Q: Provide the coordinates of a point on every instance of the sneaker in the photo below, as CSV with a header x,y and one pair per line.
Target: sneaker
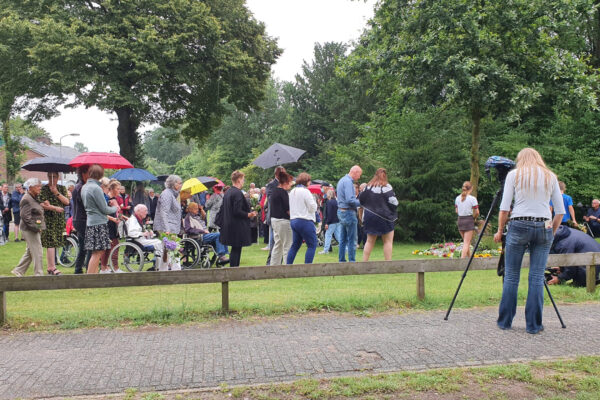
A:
x,y
265,248
105,271
323,252
16,273
119,271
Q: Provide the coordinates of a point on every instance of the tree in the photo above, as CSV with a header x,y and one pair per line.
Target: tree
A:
x,y
167,62
490,58
80,147
166,146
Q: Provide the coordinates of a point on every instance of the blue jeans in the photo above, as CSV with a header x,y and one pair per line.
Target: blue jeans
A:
x,y
347,236
213,240
333,229
521,236
302,230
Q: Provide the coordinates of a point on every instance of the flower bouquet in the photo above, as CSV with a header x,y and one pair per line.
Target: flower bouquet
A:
x,y
171,253
254,201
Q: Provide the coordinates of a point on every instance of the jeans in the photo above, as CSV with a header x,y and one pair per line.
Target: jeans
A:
x,y
523,235
347,236
214,240
332,229
303,230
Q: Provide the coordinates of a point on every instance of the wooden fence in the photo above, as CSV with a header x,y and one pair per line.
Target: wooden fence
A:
x,y
226,275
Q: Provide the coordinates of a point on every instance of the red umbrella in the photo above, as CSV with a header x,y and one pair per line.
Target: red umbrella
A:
x,y
106,160
314,188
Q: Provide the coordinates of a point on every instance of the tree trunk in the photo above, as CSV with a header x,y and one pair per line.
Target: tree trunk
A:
x,y
128,136
475,141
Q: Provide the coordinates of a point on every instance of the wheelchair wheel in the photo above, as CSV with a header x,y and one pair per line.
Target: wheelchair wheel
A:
x,y
130,257
190,253
208,256
68,253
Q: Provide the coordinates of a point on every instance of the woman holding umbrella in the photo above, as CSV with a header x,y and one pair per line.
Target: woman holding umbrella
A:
x,y
54,198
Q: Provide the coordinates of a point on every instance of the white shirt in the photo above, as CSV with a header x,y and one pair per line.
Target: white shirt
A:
x,y
302,204
465,208
533,202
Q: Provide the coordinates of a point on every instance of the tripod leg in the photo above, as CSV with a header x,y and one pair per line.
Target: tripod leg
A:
x,y
487,220
554,304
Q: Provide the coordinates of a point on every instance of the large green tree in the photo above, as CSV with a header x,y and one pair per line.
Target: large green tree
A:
x,y
155,61
489,58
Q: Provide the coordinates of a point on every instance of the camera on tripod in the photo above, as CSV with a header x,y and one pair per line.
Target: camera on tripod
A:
x,y
502,165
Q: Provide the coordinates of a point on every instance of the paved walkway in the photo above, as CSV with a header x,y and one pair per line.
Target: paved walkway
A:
x,y
101,361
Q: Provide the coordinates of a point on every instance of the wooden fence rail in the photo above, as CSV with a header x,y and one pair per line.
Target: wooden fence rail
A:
x,y
226,275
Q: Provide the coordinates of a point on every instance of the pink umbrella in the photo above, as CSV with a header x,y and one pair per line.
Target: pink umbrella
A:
x,y
106,160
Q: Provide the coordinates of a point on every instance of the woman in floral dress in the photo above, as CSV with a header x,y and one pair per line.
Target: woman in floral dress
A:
x,y
53,198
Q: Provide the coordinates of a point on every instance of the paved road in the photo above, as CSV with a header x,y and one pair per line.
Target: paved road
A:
x,y
101,361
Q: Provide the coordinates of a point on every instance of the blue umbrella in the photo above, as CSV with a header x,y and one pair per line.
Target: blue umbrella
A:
x,y
134,174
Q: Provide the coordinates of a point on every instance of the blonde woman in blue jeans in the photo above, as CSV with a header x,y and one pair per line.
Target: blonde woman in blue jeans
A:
x,y
532,185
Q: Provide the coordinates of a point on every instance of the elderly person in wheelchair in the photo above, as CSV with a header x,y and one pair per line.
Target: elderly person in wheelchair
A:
x,y
195,228
145,238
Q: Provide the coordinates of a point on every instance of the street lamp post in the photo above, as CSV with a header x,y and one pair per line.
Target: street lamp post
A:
x,y
61,138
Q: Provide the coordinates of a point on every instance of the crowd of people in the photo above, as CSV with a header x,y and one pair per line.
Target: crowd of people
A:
x,y
285,212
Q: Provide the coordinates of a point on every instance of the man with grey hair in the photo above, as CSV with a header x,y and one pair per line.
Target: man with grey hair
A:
x,y
593,217
168,209
347,206
135,230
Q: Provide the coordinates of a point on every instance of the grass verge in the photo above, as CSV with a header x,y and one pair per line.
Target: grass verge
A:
x,y
70,309
564,379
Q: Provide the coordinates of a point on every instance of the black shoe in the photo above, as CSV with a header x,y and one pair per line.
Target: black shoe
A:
x,y
223,260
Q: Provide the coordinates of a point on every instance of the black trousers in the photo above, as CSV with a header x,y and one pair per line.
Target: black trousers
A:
x,y
235,256
83,256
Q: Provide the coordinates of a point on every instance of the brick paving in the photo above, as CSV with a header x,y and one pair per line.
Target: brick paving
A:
x,y
100,361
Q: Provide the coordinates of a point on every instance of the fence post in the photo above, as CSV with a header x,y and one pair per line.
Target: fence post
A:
x,y
2,308
421,285
225,296
590,278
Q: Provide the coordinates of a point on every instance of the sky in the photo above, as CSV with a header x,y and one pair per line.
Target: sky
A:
x,y
296,24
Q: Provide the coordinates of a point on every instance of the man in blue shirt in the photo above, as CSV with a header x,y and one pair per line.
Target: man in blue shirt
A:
x,y
17,195
568,202
347,205
593,217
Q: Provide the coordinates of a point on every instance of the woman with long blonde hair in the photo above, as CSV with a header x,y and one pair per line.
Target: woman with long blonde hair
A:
x,y
467,208
532,185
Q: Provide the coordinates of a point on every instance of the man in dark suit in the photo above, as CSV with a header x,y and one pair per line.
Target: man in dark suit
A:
x,y
5,206
153,200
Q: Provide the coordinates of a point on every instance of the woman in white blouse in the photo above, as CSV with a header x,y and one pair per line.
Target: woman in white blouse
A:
x,y
532,185
302,219
468,210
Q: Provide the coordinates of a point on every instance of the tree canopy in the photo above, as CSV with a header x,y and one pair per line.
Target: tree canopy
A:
x,y
168,62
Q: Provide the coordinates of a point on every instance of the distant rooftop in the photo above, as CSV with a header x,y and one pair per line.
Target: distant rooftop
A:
x,y
49,150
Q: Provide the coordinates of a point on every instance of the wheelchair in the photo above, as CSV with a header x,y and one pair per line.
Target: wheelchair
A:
x,y
68,253
133,256
197,254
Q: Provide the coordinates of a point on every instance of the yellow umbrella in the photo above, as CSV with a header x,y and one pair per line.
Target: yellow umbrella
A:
x,y
193,186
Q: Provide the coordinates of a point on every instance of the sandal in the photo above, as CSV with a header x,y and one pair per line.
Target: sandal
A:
x,y
54,271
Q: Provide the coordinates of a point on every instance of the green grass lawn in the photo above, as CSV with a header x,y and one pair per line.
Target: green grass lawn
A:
x,y
68,309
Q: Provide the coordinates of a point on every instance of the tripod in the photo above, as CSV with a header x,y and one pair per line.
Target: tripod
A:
x,y
500,261
485,224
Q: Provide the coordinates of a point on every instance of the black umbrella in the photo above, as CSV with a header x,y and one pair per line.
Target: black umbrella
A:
x,y
321,182
278,154
48,164
209,181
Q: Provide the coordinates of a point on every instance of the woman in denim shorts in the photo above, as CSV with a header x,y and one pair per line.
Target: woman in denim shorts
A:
x,y
532,185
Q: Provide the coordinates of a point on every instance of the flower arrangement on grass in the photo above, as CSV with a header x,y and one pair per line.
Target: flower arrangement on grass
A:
x,y
453,250
172,253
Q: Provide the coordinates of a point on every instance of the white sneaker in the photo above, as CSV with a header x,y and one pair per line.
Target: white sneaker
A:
x,y
119,271
105,271
323,252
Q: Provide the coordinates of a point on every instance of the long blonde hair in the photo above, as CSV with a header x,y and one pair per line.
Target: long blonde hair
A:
x,y
528,162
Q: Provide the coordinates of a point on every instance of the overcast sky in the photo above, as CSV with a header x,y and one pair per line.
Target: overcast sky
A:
x,y
297,25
